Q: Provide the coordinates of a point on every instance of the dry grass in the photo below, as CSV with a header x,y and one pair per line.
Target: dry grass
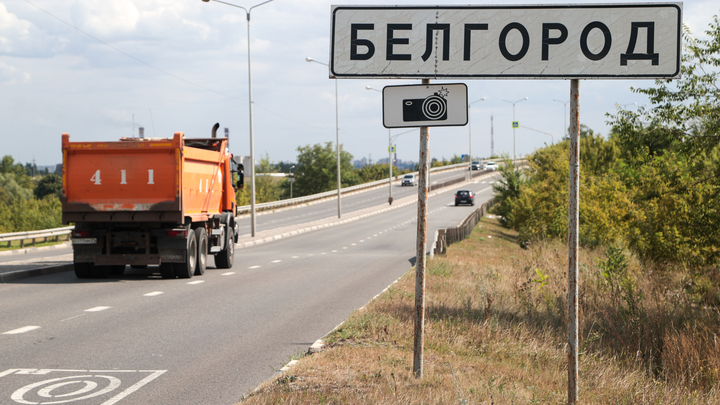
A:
x,y
495,334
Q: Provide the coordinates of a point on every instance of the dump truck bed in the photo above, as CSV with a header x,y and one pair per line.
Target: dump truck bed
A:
x,y
144,180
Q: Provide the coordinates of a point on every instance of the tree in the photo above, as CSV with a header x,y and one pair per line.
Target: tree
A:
x,y
48,184
316,170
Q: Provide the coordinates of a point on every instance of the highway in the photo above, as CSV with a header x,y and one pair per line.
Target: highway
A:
x,y
139,339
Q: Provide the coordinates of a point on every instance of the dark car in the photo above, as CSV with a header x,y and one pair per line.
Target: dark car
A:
x,y
464,197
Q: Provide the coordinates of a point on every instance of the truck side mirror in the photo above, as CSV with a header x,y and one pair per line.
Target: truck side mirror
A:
x,y
241,179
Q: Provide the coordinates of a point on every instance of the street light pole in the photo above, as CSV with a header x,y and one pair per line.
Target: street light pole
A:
x,y
565,103
470,137
513,104
337,137
250,101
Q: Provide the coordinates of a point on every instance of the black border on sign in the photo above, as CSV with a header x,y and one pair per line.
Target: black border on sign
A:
x,y
425,85
333,74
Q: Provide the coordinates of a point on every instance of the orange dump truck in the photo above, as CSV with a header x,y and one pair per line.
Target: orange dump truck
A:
x,y
138,202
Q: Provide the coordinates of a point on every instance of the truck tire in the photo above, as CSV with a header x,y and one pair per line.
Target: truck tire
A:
x,y
224,258
101,271
118,270
83,270
187,269
167,270
202,250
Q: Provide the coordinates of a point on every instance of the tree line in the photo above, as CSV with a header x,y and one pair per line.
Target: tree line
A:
x,y
28,203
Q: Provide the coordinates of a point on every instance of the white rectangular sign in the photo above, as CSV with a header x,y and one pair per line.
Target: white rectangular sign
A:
x,y
578,41
425,105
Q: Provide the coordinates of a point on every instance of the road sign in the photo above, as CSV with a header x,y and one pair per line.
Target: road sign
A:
x,y
516,124
291,179
425,105
391,149
579,41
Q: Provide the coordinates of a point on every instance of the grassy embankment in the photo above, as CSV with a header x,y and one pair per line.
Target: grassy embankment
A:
x,y
496,334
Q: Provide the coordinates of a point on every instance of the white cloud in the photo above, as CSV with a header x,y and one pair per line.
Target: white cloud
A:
x,y
11,75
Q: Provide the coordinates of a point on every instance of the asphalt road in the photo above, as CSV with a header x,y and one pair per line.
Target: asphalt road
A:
x,y
139,339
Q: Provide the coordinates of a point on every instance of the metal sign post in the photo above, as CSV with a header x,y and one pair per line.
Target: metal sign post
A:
x,y
420,259
573,225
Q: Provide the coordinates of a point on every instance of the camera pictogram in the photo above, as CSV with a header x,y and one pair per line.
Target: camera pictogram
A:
x,y
430,108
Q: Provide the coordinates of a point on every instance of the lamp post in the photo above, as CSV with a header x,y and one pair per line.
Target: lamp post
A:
x,y
390,162
337,135
292,178
552,138
565,103
250,102
513,104
470,136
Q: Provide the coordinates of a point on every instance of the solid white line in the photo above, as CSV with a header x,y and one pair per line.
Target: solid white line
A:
x,y
21,330
152,294
228,273
197,282
97,309
155,374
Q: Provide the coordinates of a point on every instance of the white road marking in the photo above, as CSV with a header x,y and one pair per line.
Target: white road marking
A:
x,y
228,273
323,253
97,309
344,247
197,282
152,294
72,317
353,244
334,251
295,257
253,267
21,330
276,261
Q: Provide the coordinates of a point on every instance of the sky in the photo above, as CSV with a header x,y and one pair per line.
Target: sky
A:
x,y
99,69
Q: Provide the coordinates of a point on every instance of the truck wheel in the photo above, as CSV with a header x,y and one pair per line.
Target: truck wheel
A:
x,y
101,271
224,259
167,270
187,269
117,270
84,270
202,245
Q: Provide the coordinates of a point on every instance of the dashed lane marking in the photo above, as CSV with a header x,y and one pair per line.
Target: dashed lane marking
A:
x,y
152,294
276,261
254,267
21,330
97,309
230,273
197,282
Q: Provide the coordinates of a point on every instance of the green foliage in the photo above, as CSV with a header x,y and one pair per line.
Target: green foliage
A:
x,y
653,186
377,172
316,169
9,167
49,184
621,285
507,191
11,191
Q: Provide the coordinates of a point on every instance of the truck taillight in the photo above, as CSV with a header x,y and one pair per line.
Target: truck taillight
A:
x,y
80,233
182,233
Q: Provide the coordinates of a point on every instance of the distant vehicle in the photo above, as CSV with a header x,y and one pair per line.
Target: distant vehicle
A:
x,y
409,180
491,166
464,197
476,165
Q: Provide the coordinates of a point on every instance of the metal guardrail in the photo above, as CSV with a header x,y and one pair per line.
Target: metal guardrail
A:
x,y
34,235
314,197
446,237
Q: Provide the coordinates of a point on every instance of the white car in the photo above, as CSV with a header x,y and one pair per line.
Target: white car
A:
x,y
491,166
409,180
